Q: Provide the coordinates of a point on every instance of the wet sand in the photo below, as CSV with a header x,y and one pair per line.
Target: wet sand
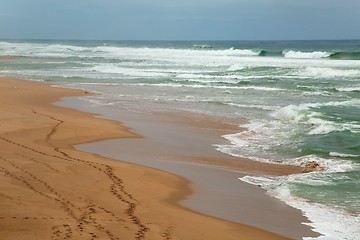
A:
x,y
49,190
181,144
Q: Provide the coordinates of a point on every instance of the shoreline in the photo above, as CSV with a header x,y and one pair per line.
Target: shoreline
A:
x,y
182,145
47,190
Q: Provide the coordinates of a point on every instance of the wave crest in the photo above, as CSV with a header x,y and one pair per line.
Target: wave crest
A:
x,y
306,55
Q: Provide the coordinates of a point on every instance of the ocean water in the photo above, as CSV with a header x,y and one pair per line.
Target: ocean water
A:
x,y
301,100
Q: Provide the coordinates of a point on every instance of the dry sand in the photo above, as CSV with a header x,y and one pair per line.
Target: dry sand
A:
x,y
49,190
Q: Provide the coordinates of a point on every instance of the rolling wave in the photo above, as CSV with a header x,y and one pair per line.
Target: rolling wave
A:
x,y
319,54
69,50
346,55
305,55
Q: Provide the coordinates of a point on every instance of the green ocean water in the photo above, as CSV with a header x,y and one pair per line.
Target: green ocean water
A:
x,y
301,100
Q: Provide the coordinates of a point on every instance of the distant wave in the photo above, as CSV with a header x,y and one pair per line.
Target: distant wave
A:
x,y
316,72
307,55
54,49
248,52
319,54
202,46
258,52
294,53
345,55
268,53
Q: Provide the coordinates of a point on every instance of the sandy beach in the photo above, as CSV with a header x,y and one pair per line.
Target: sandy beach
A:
x,y
182,144
50,190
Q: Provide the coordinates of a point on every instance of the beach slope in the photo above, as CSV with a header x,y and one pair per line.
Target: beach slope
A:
x,y
49,190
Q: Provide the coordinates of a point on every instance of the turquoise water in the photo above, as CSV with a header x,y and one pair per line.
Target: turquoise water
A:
x,y
301,100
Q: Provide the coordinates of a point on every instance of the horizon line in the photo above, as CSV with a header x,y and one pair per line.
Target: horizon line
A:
x,y
173,40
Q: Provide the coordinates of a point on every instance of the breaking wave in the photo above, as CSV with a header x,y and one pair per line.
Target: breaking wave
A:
x,y
307,55
346,55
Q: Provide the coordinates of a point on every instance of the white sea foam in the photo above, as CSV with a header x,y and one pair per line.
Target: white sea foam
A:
x,y
260,139
326,165
321,72
331,223
194,56
291,113
299,54
255,142
252,106
247,52
307,114
343,155
347,103
227,59
236,67
349,89
202,46
258,88
40,50
321,126
125,71
200,77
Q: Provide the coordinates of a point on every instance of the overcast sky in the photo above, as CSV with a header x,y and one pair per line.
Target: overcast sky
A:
x,y
180,19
